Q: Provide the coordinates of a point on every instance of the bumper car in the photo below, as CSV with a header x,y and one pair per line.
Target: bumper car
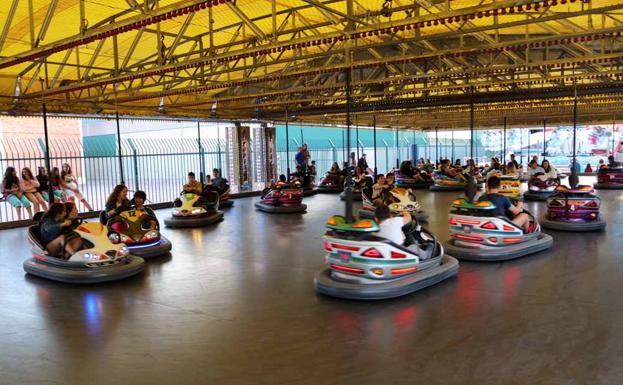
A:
x,y
99,261
192,210
358,187
510,186
573,209
409,182
330,184
363,266
609,178
224,200
402,199
132,229
445,183
540,190
282,200
477,234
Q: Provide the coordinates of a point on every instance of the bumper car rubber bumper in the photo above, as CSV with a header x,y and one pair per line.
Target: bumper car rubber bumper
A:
x,y
226,204
537,196
325,284
329,189
133,266
421,216
608,186
437,187
415,186
542,242
309,192
596,225
206,220
146,252
290,209
356,196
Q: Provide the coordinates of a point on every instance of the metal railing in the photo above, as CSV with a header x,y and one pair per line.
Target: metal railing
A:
x,y
157,166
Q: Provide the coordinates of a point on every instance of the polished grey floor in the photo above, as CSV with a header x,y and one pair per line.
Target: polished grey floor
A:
x,y
235,304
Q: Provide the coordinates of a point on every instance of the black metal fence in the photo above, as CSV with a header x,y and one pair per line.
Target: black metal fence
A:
x,y
157,166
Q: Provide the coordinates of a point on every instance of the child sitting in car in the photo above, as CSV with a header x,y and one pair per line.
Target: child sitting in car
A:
x,y
54,235
138,202
503,205
193,186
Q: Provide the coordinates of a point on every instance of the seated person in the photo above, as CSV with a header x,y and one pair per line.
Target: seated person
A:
x,y
549,171
312,169
392,228
377,189
71,213
534,169
207,186
511,170
282,181
601,164
219,183
56,240
390,181
612,163
588,168
451,172
193,186
138,201
503,205
298,175
117,202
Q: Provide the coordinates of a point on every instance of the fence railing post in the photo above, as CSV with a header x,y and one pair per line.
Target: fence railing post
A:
x,y
386,155
134,163
333,150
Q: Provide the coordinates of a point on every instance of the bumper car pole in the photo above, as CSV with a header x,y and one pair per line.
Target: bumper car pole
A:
x,y
348,190
573,178
287,148
47,153
374,134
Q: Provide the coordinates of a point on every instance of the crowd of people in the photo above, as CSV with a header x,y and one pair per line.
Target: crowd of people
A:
x,y
26,191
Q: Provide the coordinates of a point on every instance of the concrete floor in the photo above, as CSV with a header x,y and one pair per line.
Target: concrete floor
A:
x,y
235,305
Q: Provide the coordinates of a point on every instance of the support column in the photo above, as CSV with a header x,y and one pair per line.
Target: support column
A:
x,y
119,147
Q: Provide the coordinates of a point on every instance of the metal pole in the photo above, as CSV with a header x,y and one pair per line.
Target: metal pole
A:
x,y
544,138
47,154
529,134
573,178
521,146
201,163
357,137
218,140
436,145
504,147
374,131
287,148
343,147
397,143
413,146
452,144
119,147
614,122
348,190
471,126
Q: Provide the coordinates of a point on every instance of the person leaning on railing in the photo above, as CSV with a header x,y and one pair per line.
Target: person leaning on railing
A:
x,y
70,184
13,193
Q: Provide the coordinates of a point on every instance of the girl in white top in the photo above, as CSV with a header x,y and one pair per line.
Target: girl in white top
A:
x,y
70,184
549,171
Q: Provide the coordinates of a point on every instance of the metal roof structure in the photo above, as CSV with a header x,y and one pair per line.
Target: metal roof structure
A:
x,y
410,63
